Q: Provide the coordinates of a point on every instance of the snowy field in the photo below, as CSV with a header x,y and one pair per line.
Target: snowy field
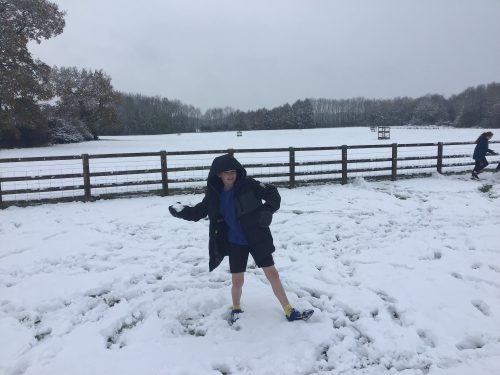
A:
x,y
223,141
250,139
404,278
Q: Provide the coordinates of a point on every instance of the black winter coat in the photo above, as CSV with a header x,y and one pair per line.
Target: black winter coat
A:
x,y
482,149
248,197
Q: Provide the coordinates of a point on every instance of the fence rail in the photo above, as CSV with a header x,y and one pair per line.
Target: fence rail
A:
x,y
165,172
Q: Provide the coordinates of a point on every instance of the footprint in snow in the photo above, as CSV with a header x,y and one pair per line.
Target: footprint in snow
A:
x,y
222,368
494,268
481,306
384,296
115,339
471,342
117,246
427,337
395,315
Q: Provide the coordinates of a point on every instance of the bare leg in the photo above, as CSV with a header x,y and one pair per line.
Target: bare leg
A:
x,y
237,287
274,278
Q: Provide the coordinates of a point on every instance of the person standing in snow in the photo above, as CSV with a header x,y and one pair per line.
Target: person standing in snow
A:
x,y
238,226
480,152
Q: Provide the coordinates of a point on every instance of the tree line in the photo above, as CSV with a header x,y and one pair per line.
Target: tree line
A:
x,y
474,107
41,105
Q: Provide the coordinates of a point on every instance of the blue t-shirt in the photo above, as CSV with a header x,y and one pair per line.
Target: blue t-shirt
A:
x,y
228,211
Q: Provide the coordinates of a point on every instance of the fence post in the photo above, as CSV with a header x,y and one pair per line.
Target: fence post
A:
x,y
86,177
440,158
344,164
164,176
394,169
292,167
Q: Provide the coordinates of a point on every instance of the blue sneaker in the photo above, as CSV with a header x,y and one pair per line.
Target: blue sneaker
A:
x,y
235,315
298,315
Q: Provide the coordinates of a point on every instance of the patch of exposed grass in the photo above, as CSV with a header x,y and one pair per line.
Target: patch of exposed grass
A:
x,y
485,188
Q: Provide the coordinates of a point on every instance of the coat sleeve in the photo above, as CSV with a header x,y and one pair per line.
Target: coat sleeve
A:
x,y
269,193
196,212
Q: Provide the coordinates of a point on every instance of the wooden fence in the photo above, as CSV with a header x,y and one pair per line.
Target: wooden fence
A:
x,y
338,164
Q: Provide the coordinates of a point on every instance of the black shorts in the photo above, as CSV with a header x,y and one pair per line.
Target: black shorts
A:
x,y
238,258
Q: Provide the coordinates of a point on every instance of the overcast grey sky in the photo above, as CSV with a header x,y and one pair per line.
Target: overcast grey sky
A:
x,y
249,54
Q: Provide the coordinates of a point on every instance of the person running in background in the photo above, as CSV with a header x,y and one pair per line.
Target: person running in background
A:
x,y
480,152
238,226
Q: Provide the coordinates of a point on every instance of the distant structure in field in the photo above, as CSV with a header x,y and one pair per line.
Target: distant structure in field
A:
x,y
384,132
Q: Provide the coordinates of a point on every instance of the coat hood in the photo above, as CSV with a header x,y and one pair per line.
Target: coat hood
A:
x,y
224,163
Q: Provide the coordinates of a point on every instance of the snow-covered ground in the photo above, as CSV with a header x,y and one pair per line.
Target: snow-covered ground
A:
x,y
250,139
404,278
223,141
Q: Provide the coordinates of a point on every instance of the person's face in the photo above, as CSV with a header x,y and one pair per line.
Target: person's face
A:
x,y
489,137
228,177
